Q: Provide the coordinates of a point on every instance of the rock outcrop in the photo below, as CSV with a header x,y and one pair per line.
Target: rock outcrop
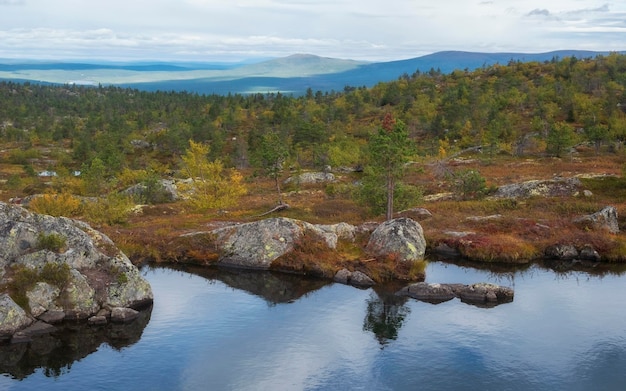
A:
x,y
605,219
58,268
256,245
559,187
402,238
311,177
481,294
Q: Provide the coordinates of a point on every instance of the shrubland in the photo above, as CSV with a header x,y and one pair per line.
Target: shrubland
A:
x,y
469,132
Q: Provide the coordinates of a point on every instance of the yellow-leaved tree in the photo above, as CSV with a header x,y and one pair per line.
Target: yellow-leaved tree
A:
x,y
210,185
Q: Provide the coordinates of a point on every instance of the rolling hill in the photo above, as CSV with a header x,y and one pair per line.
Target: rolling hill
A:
x,y
290,75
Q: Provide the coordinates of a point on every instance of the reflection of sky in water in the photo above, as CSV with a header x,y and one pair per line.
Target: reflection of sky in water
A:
x,y
560,333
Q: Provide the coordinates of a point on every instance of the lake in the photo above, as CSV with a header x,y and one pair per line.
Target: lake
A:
x,y
221,330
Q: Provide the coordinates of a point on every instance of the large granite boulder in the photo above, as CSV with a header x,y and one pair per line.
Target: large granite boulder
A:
x,y
59,265
402,238
256,245
605,219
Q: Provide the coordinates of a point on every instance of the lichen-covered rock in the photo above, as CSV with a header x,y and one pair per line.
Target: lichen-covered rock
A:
x,y
344,231
311,177
402,238
559,187
605,219
80,298
88,272
42,298
256,245
12,317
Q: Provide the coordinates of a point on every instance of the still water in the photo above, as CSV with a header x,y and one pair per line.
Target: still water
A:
x,y
258,331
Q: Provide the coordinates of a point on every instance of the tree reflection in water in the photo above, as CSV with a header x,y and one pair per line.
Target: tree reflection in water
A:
x,y
385,314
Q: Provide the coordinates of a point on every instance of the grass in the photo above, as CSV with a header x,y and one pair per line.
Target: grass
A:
x,y
521,233
22,279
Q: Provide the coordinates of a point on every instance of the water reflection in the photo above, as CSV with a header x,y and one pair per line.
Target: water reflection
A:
x,y
385,315
275,288
56,352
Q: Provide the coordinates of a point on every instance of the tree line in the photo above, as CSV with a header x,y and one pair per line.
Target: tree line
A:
x,y
519,108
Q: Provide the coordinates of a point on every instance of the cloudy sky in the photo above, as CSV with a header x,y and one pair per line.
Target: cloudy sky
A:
x,y
233,30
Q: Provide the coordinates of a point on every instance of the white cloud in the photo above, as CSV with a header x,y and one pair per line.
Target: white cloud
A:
x,y
358,29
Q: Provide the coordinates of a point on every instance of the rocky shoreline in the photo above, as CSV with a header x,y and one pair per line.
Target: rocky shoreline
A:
x,y
58,269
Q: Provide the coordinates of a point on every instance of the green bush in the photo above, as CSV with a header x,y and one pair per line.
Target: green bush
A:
x,y
57,274
470,184
24,279
112,210
52,242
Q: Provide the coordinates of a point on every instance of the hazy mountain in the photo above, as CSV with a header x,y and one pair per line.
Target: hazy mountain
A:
x,y
292,75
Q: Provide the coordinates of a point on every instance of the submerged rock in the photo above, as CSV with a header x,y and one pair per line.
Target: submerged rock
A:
x,y
481,294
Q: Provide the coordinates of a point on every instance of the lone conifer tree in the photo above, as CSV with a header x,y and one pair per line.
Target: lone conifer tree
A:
x,y
390,149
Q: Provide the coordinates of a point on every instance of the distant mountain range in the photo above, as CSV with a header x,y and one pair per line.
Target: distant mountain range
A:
x,y
289,75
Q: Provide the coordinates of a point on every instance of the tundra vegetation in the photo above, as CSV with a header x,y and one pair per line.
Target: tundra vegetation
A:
x,y
438,141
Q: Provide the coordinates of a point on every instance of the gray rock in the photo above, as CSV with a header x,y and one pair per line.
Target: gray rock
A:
x,y
97,320
80,298
52,317
481,294
256,245
357,278
561,251
166,187
588,253
419,213
431,293
558,187
343,231
606,219
12,317
42,298
342,276
311,177
361,279
401,237
484,294
123,315
99,274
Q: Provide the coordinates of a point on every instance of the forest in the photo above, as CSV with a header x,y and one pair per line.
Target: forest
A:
x,y
116,137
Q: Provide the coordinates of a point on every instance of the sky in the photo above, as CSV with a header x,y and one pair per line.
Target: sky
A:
x,y
238,30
